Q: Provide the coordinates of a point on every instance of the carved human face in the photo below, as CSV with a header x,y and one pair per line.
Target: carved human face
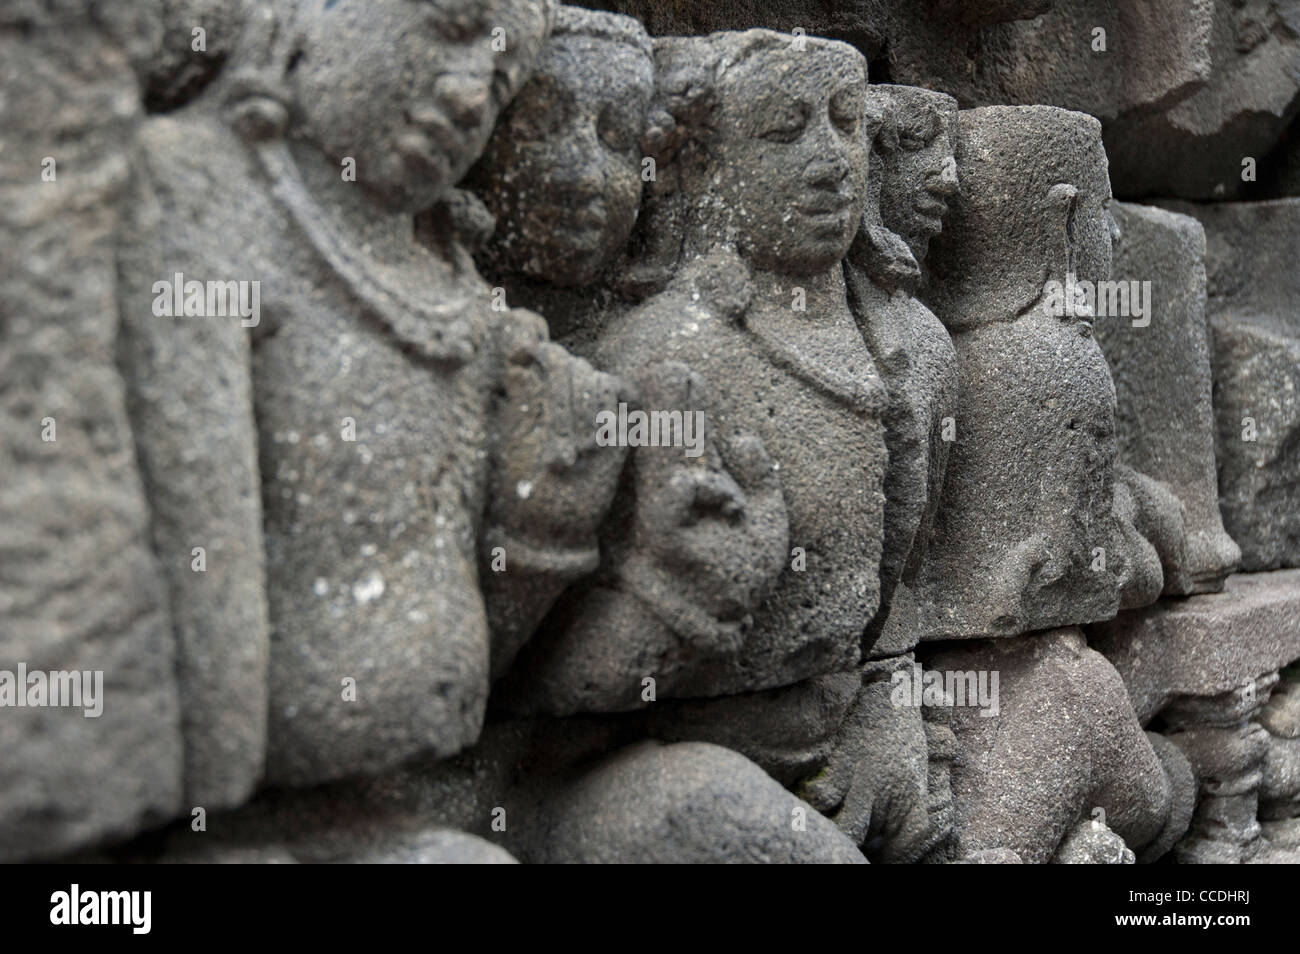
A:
x,y
410,88
562,172
790,160
919,174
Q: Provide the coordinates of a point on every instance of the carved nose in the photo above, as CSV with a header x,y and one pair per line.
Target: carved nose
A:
x,y
465,99
826,173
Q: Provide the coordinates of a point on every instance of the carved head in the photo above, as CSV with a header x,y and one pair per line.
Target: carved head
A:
x,y
915,162
1034,207
766,145
562,172
410,89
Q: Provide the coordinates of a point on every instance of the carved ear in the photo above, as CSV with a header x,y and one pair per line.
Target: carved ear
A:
x,y
1062,203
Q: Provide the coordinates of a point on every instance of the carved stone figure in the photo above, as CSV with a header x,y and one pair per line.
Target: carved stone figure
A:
x,y
475,431
878,780
80,588
913,178
756,296
1011,787
1024,537
407,431
568,149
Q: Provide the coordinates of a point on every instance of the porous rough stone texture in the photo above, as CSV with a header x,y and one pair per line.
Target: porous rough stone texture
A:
x,y
1249,92
372,578
913,178
1012,787
685,803
1059,59
1092,843
1160,364
1253,287
1027,498
190,397
1279,790
752,301
184,60
876,785
80,590
1207,644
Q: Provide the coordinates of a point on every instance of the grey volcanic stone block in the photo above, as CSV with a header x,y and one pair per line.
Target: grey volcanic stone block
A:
x,y
1155,53
1207,644
1160,364
1253,287
1011,784
685,803
1194,148
79,586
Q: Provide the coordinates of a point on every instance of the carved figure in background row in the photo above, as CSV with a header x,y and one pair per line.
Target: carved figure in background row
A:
x,y
1025,536
562,173
756,300
914,177
1035,391
878,784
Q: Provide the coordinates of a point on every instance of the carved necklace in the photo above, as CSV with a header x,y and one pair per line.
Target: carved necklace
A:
x,y
441,333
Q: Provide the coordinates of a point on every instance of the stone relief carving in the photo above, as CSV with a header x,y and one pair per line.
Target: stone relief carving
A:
x,y
1015,548
598,424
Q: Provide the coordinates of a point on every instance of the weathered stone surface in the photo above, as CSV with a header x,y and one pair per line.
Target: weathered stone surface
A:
x,y
1011,786
790,732
876,785
571,140
1027,499
754,302
184,60
1092,843
190,396
913,177
452,605
1207,644
398,417
1226,749
1160,363
79,587
1255,336
1250,92
1152,54
685,803
438,846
